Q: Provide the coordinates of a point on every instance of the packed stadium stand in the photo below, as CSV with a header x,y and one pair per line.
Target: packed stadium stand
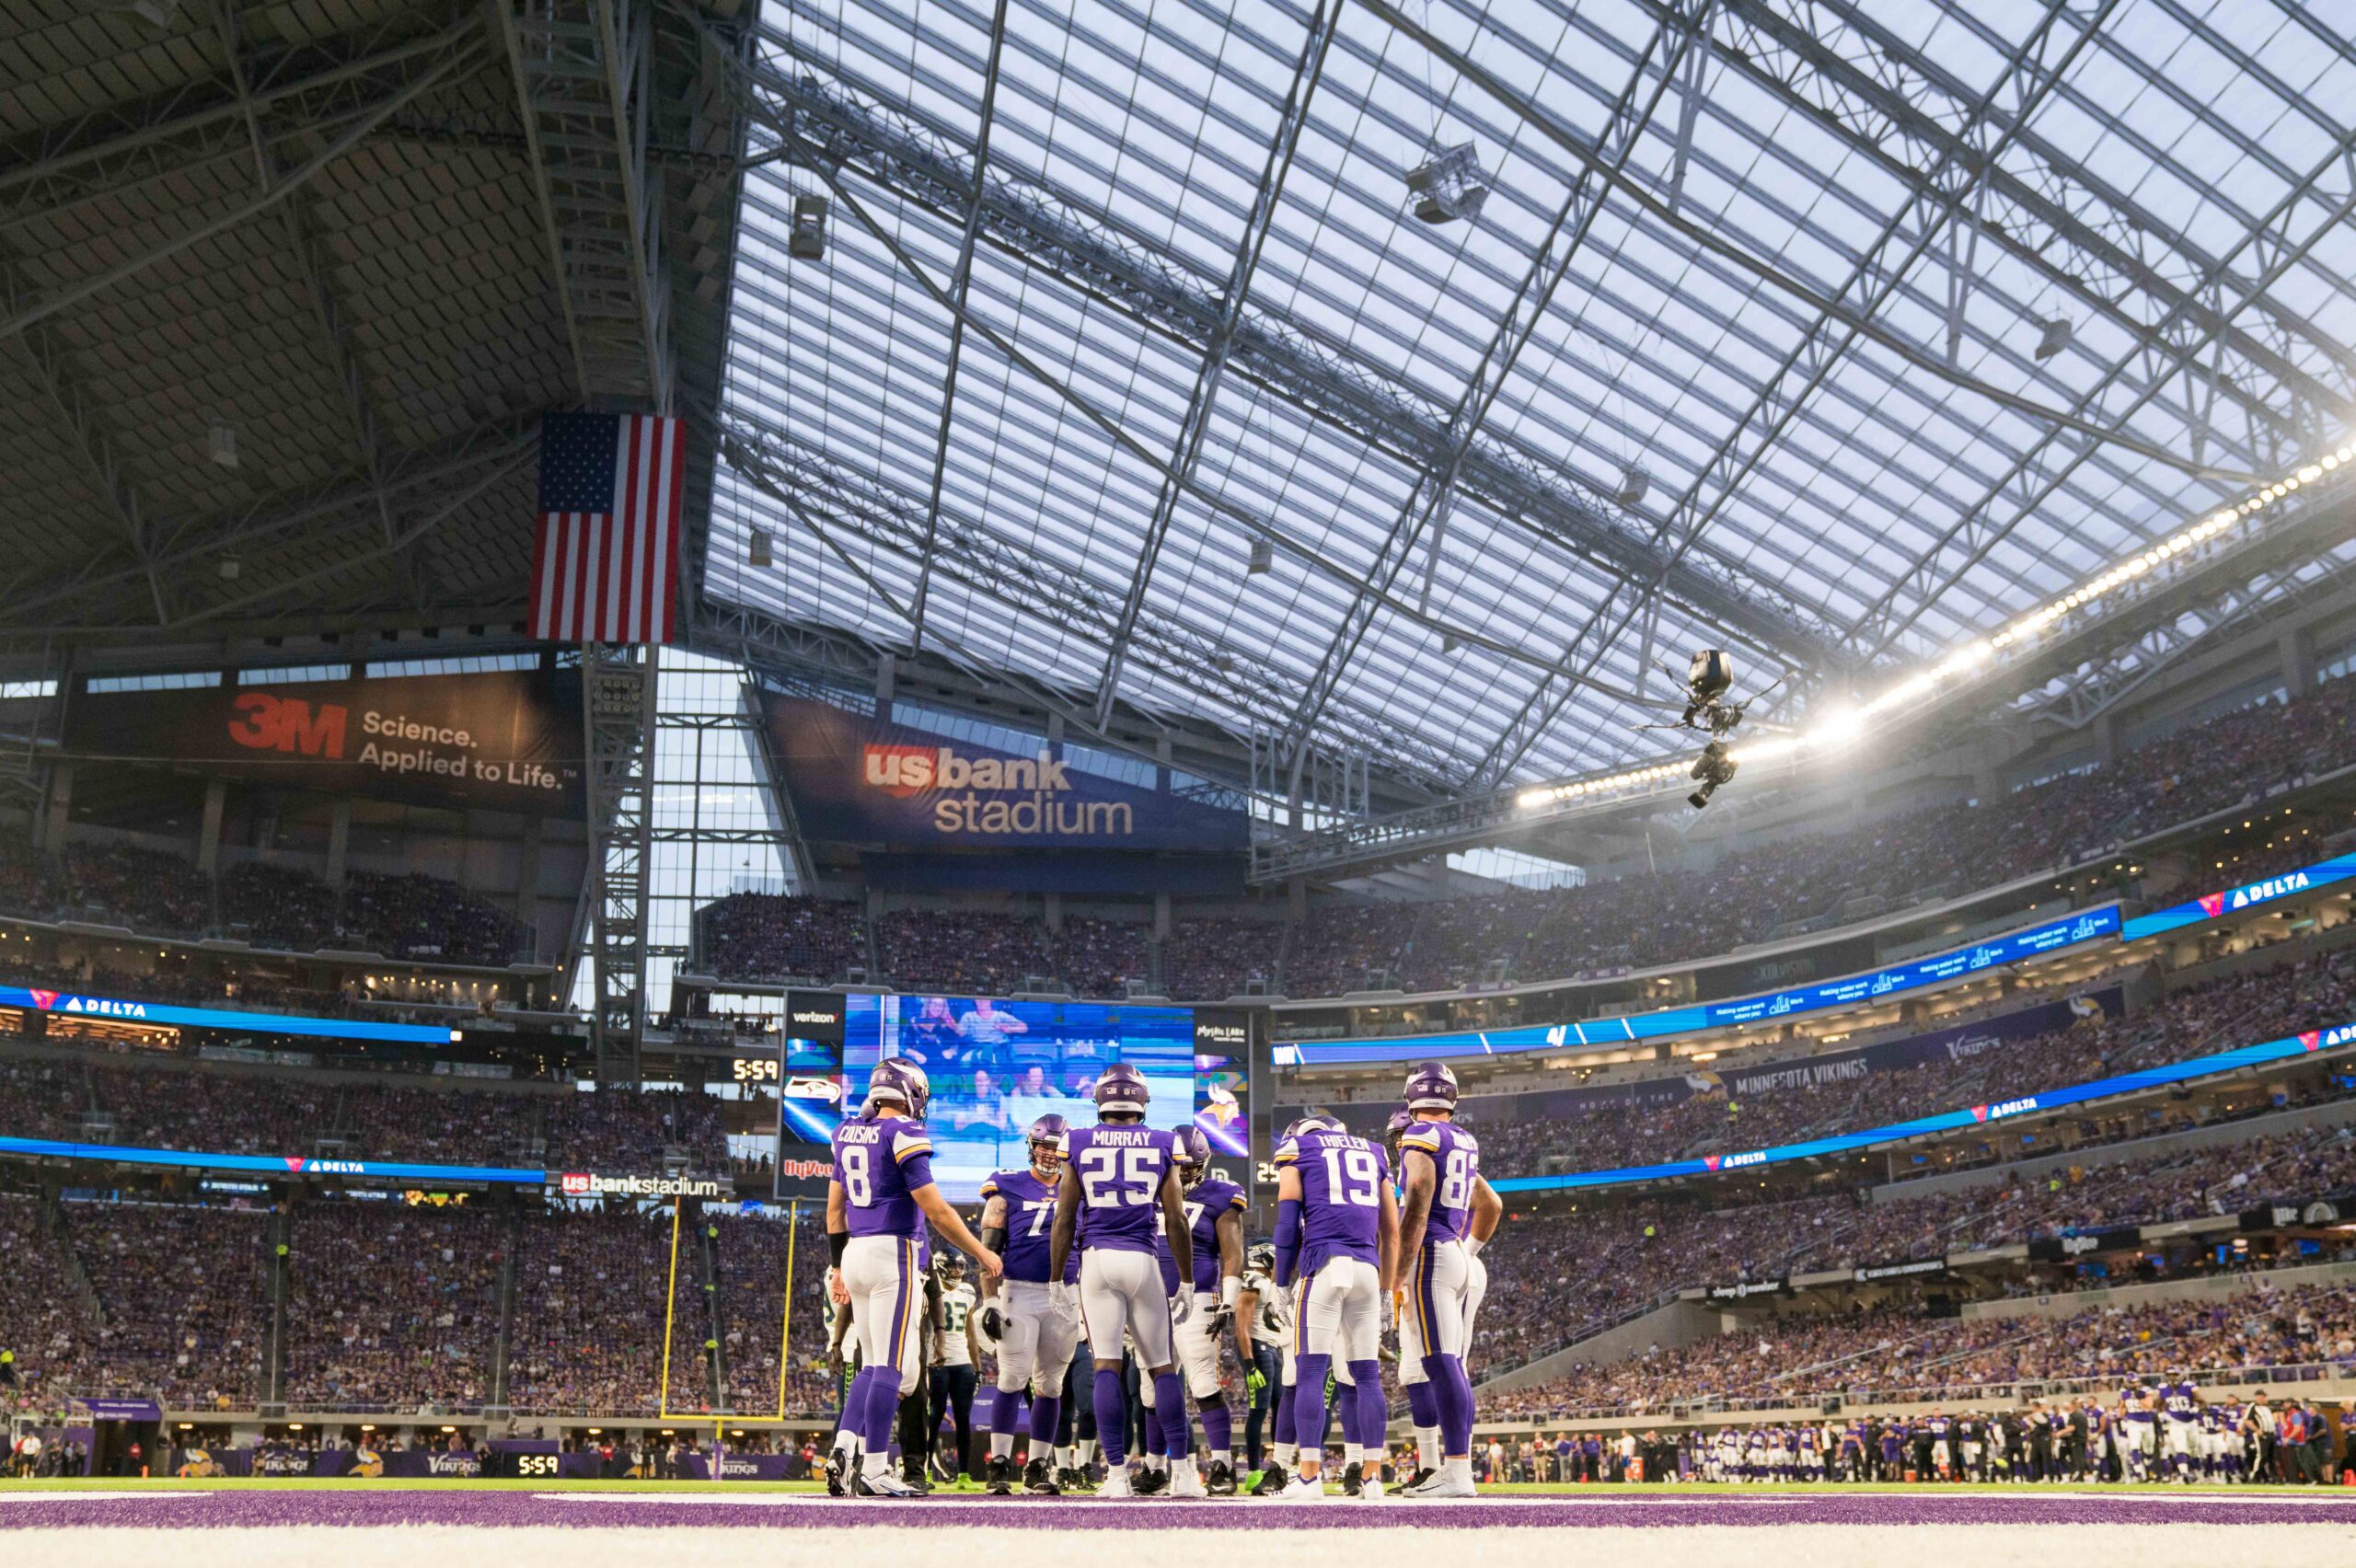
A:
x,y
393,1311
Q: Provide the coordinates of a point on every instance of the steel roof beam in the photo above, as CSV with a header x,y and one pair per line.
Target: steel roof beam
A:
x,y
958,282
1048,233
1290,121
2049,463
1893,104
1878,273
1427,506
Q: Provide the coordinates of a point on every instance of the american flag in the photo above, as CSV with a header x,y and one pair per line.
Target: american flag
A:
x,y
609,528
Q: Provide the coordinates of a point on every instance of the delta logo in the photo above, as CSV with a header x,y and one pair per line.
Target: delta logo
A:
x,y
1711,1160
2009,1108
299,1165
2212,904
993,795
44,1000
1737,1162
2272,887
96,1007
2331,1039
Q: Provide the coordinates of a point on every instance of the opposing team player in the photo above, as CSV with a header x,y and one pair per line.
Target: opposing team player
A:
x,y
877,1201
1448,1210
1215,1216
1115,1175
1337,1232
1034,1334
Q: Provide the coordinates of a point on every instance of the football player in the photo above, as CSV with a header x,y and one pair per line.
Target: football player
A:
x,y
1278,1320
1215,1216
954,1355
1117,1174
1263,1323
879,1196
1448,1210
1034,1336
2180,1412
1337,1233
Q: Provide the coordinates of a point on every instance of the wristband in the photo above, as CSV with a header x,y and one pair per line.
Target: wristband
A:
x,y
1473,1246
1230,1290
835,1241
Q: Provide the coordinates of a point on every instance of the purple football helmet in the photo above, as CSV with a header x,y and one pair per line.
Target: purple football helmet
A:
x,y
1046,1137
1190,1152
1312,1123
1396,1128
1432,1087
897,1077
1122,1089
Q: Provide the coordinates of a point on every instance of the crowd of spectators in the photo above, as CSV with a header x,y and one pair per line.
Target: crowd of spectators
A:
x,y
765,936
170,979
183,1297
971,952
1097,957
396,1309
589,1312
1212,957
159,893
751,1250
2239,1009
1897,1353
44,1318
239,1110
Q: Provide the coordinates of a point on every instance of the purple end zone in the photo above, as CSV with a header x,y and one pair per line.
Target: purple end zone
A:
x,y
769,1511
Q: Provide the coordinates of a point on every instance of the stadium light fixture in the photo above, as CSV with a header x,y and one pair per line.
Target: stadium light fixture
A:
x,y
1449,186
1927,684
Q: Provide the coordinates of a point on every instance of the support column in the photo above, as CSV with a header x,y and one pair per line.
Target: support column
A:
x,y
2298,645
2107,738
61,807
338,842
885,666
1161,917
1055,913
208,836
527,876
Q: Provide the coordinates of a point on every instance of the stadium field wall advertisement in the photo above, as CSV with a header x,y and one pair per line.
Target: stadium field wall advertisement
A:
x,y
504,741
997,1067
67,1004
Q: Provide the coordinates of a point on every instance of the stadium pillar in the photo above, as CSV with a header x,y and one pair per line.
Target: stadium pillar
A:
x,y
1055,913
339,841
1161,917
2107,737
61,807
527,874
2298,645
208,836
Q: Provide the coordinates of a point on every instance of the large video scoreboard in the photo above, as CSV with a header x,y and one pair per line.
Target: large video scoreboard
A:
x,y
995,1066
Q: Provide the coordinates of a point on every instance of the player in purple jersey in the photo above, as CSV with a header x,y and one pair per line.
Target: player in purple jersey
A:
x,y
1337,1233
2180,1419
877,1200
1117,1174
1215,1217
1035,1336
1448,1211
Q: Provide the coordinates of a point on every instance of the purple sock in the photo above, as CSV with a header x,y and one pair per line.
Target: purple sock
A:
x,y
1047,1414
883,1410
1177,1428
1423,1399
1282,1433
1112,1417
854,1415
1374,1413
1309,1405
1003,1406
1455,1386
1219,1425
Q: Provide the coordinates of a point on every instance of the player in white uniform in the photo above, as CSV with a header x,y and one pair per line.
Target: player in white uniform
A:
x,y
1263,1330
953,1378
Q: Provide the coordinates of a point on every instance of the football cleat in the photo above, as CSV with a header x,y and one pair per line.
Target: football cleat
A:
x,y
1418,1479
1221,1481
1145,1483
1371,1492
1304,1489
1272,1481
998,1477
834,1486
1445,1483
1071,1478
1352,1482
1039,1484
884,1485
1116,1483
1186,1481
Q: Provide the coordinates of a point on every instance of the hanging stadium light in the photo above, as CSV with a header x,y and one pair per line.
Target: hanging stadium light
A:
x,y
1449,186
1262,557
757,555
806,241
2054,336
1634,483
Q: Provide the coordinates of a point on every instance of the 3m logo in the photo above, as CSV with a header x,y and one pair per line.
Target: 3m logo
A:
x,y
264,722
575,1184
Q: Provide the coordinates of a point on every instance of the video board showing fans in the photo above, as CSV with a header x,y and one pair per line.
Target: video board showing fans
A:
x,y
995,1066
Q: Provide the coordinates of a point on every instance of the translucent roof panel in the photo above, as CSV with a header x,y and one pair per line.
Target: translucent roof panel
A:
x,y
1840,287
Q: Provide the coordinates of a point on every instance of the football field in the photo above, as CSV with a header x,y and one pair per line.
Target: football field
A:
x,y
365,1523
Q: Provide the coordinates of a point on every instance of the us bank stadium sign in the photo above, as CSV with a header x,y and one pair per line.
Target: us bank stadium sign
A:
x,y
595,1184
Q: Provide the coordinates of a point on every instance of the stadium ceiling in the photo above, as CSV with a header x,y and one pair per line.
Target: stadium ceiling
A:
x,y
1832,331
285,288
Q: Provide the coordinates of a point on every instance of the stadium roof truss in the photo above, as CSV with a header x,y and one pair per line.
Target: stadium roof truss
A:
x,y
1830,332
